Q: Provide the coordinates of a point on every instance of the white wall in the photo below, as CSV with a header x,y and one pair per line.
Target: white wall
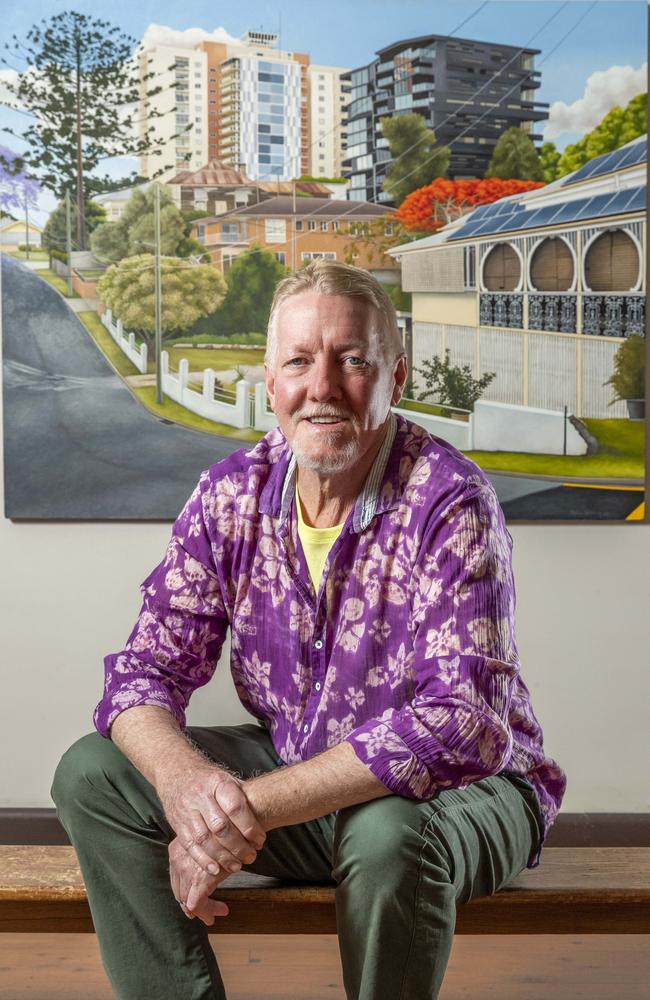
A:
x,y
68,593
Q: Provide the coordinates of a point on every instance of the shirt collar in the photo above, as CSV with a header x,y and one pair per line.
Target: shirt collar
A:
x,y
371,500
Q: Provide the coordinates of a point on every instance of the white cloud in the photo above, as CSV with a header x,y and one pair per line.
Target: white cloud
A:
x,y
160,34
603,91
7,76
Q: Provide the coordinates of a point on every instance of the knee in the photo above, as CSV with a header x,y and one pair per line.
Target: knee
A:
x,y
83,770
384,839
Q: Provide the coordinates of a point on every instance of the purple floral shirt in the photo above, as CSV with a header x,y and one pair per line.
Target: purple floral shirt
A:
x,y
407,650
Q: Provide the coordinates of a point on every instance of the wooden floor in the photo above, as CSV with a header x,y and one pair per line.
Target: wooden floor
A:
x,y
278,967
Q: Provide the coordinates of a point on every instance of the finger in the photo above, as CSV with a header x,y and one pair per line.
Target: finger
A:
x,y
199,843
221,843
232,800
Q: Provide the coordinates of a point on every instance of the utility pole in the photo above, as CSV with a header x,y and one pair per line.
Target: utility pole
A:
x,y
157,295
26,227
68,240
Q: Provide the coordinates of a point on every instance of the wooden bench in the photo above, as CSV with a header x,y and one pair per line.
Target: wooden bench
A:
x,y
575,890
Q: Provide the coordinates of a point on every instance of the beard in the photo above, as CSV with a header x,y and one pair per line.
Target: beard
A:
x,y
343,449
343,458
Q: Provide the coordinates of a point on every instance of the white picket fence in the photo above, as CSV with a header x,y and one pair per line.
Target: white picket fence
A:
x,y
137,355
177,387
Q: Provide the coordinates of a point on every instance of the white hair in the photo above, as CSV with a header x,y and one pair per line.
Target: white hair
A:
x,y
329,277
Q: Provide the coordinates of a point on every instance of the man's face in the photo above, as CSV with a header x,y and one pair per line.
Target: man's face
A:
x,y
331,386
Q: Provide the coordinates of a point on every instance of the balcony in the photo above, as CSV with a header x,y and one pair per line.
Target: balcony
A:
x,y
610,315
552,312
613,315
499,309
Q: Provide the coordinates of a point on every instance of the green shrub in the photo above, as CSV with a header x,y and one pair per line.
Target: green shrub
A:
x,y
628,380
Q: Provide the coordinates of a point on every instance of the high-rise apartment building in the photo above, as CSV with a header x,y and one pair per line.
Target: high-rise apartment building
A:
x,y
328,95
251,106
182,74
468,92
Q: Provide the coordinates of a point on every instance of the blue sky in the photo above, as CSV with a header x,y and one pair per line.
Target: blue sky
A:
x,y
345,33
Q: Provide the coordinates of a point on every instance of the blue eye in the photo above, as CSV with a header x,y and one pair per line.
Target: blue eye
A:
x,y
354,361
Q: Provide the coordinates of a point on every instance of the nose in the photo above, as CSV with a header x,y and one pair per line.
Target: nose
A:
x,y
325,380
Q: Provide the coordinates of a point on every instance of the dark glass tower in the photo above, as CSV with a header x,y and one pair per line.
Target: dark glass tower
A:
x,y
468,92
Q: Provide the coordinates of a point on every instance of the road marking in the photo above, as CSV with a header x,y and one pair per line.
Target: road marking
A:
x,y
638,514
592,486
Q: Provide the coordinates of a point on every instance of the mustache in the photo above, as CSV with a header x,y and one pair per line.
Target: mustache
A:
x,y
322,411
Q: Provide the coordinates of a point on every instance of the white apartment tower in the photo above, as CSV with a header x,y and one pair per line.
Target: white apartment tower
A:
x,y
183,75
251,106
327,100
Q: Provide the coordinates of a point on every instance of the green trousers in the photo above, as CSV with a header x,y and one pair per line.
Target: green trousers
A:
x,y
400,868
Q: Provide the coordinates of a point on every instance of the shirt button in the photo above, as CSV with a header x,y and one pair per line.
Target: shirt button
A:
x,y
317,685
305,728
318,644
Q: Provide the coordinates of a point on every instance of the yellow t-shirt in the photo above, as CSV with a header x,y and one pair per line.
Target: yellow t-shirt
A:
x,y
316,543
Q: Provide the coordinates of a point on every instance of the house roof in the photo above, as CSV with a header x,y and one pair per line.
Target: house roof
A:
x,y
283,205
10,223
213,174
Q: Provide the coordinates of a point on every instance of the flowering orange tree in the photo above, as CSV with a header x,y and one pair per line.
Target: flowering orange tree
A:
x,y
433,206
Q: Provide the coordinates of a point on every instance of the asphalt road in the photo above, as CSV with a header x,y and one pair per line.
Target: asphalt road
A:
x,y
76,442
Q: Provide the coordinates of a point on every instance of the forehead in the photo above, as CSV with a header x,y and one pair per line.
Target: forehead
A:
x,y
312,313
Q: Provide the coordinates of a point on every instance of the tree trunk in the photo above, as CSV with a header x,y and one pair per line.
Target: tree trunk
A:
x,y
81,222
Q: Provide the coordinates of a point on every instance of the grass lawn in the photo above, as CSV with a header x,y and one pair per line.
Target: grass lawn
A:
x,y
53,279
92,274
33,255
621,455
217,360
179,415
106,344
421,407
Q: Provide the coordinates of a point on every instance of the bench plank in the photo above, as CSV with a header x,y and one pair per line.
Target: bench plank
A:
x,y
601,890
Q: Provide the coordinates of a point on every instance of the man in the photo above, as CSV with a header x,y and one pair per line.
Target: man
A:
x,y
363,568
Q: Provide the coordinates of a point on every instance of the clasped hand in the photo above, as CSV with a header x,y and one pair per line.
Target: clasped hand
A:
x,y
216,833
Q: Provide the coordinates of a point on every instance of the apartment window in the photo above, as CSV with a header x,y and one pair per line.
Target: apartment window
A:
x,y
281,257
317,254
388,229
335,227
323,227
275,230
200,231
298,225
312,226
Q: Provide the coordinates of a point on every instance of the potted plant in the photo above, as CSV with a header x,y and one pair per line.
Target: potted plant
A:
x,y
628,380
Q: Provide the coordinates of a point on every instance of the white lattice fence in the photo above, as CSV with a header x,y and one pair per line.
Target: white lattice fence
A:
x,y
597,367
502,351
552,366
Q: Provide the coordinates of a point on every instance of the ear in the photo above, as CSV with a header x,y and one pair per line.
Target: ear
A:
x,y
400,373
269,379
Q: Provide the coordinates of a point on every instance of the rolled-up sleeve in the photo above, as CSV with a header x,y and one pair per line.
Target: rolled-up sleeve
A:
x,y
175,644
464,660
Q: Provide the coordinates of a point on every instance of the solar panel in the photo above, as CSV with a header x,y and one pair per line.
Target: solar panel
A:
x,y
637,202
577,210
626,156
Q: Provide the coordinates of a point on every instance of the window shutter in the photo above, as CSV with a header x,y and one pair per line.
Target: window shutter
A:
x,y
502,270
551,268
612,263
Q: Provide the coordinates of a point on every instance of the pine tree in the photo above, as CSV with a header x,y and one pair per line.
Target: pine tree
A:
x,y
79,84
515,158
417,159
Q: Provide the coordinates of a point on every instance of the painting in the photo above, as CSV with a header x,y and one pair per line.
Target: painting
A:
x,y
162,168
